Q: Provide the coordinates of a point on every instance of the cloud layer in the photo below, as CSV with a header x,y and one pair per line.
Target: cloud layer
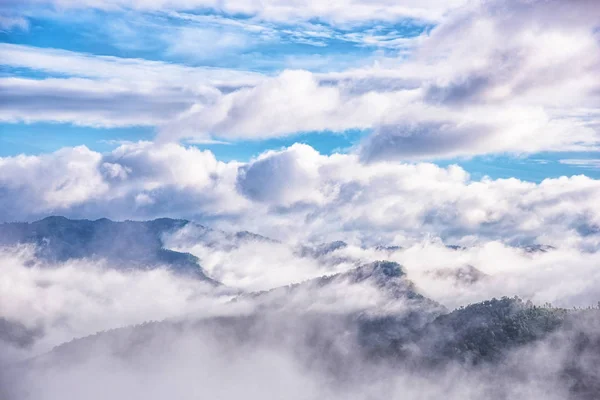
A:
x,y
185,357
490,77
333,197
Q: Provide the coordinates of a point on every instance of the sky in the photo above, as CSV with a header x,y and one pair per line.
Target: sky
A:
x,y
377,121
503,89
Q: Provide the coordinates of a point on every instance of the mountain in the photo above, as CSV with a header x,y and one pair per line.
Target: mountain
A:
x,y
484,331
321,250
499,342
463,275
127,244
192,234
384,285
15,333
421,332
493,339
367,323
141,245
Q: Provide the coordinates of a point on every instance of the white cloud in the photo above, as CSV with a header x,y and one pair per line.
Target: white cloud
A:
x,y
81,297
104,91
489,78
564,277
293,350
251,264
433,132
8,23
94,103
495,83
56,61
583,163
291,102
206,43
345,11
332,197
481,82
417,199
502,77
62,179
171,179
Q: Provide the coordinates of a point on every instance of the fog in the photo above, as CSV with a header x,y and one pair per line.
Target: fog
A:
x,y
80,297
563,276
276,361
298,339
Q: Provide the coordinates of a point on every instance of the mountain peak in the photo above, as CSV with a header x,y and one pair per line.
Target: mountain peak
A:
x,y
125,244
379,270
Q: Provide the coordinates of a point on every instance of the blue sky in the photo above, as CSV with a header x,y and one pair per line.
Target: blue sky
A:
x,y
40,138
251,47
237,41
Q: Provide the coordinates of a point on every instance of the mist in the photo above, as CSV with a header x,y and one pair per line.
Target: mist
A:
x,y
278,356
565,276
275,328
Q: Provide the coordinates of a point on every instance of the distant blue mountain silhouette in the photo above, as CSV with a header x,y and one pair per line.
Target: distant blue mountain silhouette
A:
x,y
125,245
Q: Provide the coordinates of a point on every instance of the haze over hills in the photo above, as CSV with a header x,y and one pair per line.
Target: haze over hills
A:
x,y
493,349
142,244
128,244
348,321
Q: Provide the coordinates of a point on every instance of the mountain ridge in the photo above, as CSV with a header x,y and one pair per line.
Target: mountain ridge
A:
x,y
125,244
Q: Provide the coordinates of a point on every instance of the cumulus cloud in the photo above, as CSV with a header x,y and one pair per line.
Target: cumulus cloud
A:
x,y
294,101
512,70
485,80
489,78
139,176
420,199
333,197
282,178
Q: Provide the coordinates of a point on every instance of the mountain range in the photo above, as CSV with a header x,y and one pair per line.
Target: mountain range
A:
x,y
393,326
